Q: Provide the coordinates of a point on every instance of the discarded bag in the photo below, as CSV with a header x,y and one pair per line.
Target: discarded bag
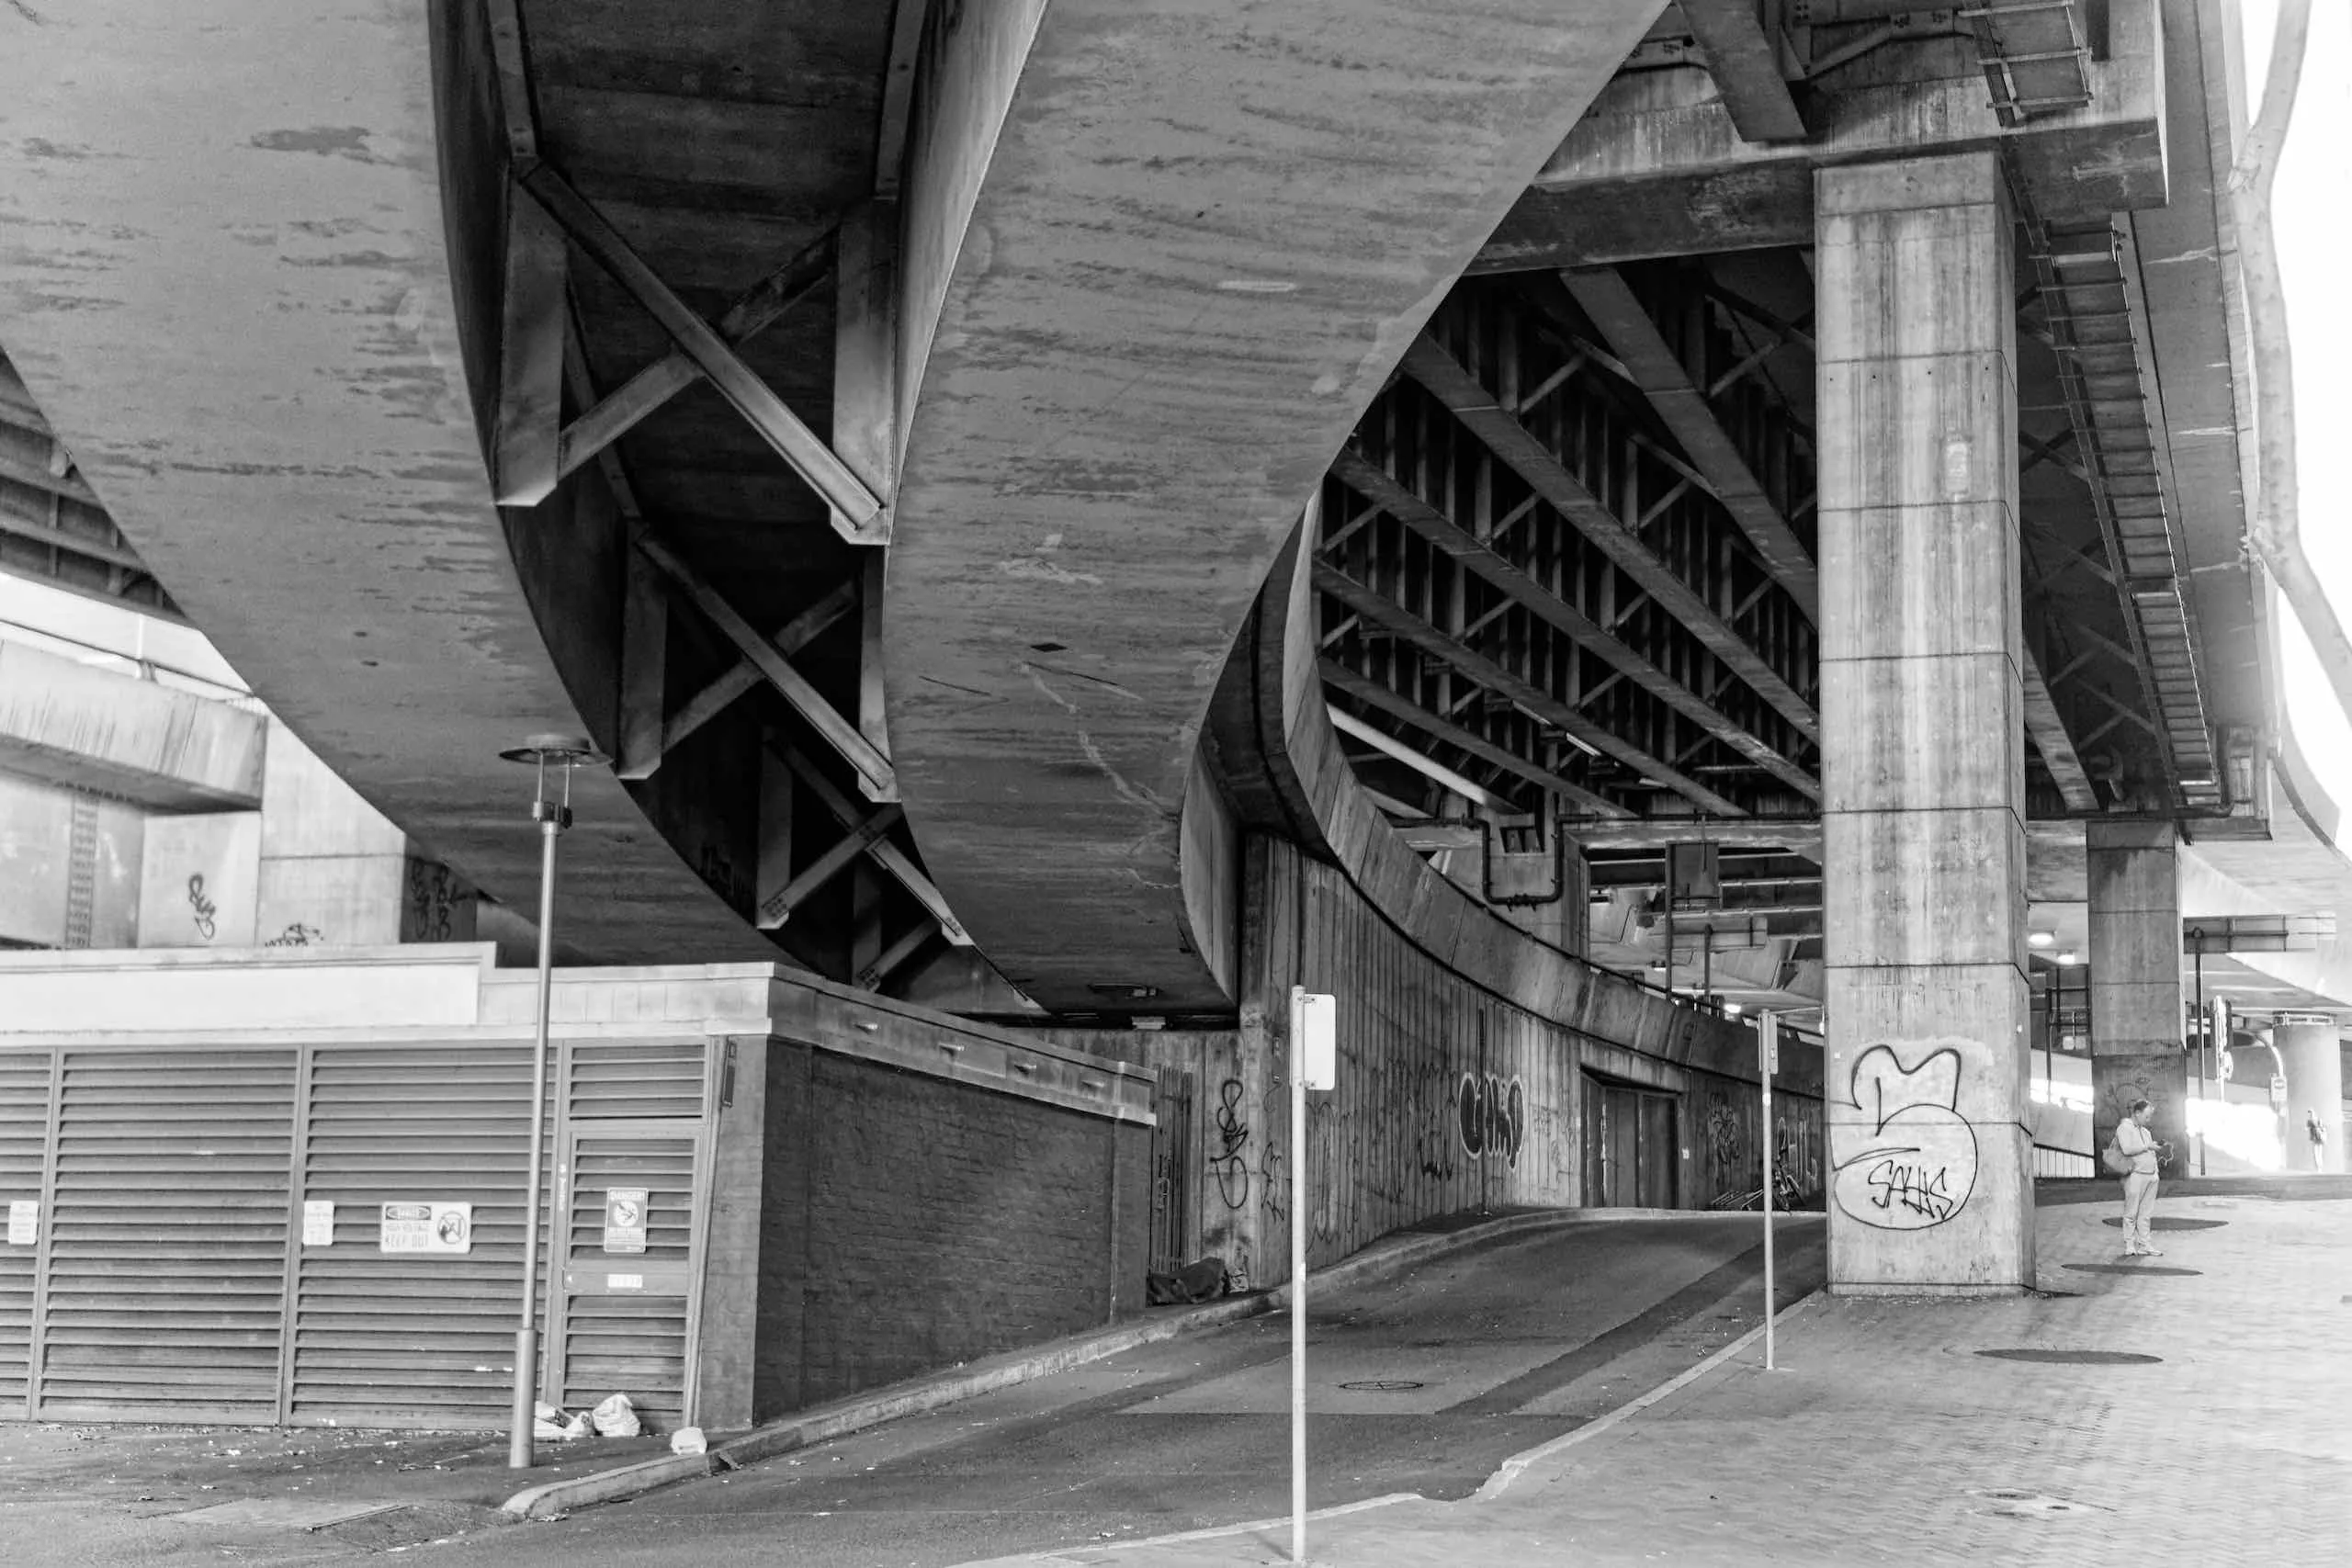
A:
x,y
550,1425
688,1441
1198,1281
615,1417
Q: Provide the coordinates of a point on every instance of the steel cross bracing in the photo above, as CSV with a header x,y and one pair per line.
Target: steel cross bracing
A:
x,y
554,420
1526,572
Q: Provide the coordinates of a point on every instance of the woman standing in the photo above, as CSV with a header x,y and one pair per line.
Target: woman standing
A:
x,y
2135,1143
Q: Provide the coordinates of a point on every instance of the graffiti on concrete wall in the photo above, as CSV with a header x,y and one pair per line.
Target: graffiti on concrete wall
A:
x,y
1796,1153
1434,1122
1908,1161
205,911
1725,1135
1229,1146
1490,1114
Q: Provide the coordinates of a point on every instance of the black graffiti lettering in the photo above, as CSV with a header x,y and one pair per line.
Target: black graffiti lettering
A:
x,y
1914,1186
1229,1161
205,907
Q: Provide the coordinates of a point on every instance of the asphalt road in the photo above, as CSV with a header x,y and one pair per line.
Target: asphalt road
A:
x,y
1425,1382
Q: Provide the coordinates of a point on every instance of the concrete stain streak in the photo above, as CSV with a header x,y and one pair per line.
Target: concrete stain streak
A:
x,y
325,141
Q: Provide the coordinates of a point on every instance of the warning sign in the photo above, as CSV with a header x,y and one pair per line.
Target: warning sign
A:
x,y
24,1222
624,1219
443,1228
318,1223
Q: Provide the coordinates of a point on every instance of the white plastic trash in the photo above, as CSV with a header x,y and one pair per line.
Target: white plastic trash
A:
x,y
615,1417
549,1425
688,1441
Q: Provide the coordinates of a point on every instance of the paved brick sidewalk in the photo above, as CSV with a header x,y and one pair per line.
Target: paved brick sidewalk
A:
x,y
1888,1440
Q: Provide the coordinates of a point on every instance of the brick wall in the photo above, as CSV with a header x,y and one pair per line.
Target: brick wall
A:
x,y
913,1222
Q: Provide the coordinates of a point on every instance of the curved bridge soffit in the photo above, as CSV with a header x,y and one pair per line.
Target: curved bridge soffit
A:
x,y
1157,261
227,273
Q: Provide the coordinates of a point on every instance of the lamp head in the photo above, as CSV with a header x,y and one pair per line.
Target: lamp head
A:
x,y
560,750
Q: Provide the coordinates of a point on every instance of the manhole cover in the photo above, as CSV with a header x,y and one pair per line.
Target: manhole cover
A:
x,y
2072,1358
1381,1385
2167,1223
2130,1269
2036,1505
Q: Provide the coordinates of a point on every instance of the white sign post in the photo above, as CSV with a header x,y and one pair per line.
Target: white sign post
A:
x,y
1315,1060
1768,1049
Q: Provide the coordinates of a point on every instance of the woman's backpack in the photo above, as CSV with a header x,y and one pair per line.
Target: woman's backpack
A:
x,y
2115,1159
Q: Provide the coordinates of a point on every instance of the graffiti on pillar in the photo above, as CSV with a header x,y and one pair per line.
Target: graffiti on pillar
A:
x,y
205,909
297,935
1230,1154
1909,1162
1491,1114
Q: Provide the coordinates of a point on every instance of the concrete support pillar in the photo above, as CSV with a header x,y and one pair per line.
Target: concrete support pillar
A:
x,y
2313,1059
2136,1047
1923,753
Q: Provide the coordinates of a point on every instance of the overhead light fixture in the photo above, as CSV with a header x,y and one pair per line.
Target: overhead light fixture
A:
x,y
2069,956
1733,1009
2040,939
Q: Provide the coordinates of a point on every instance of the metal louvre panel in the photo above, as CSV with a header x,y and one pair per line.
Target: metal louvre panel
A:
x,y
167,1235
24,1144
635,1078
630,1339
403,1339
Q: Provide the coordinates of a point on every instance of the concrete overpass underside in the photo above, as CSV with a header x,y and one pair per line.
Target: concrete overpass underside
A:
x,y
975,466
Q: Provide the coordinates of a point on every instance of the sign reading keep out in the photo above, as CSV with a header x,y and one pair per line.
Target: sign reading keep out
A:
x,y
447,1229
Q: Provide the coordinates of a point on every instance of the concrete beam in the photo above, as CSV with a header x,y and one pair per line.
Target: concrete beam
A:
x,y
1659,168
112,733
1658,371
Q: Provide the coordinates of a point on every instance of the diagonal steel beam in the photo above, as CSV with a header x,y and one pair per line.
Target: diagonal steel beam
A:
x,y
1379,608
806,700
893,958
742,676
861,518
1444,378
885,854
2049,737
861,837
753,312
1397,705
1745,64
1658,371
1376,484
1428,767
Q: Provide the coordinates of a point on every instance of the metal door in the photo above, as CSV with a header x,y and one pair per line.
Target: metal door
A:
x,y
1171,1186
633,1196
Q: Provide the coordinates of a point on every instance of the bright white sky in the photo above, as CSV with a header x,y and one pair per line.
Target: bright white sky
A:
x,y
2312,217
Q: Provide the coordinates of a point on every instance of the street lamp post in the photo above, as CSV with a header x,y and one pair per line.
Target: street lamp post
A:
x,y
562,752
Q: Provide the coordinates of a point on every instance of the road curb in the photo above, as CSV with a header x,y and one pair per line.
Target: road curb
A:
x,y
826,1421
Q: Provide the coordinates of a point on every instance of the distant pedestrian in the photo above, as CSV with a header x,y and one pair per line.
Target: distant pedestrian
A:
x,y
2133,1140
2318,1135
